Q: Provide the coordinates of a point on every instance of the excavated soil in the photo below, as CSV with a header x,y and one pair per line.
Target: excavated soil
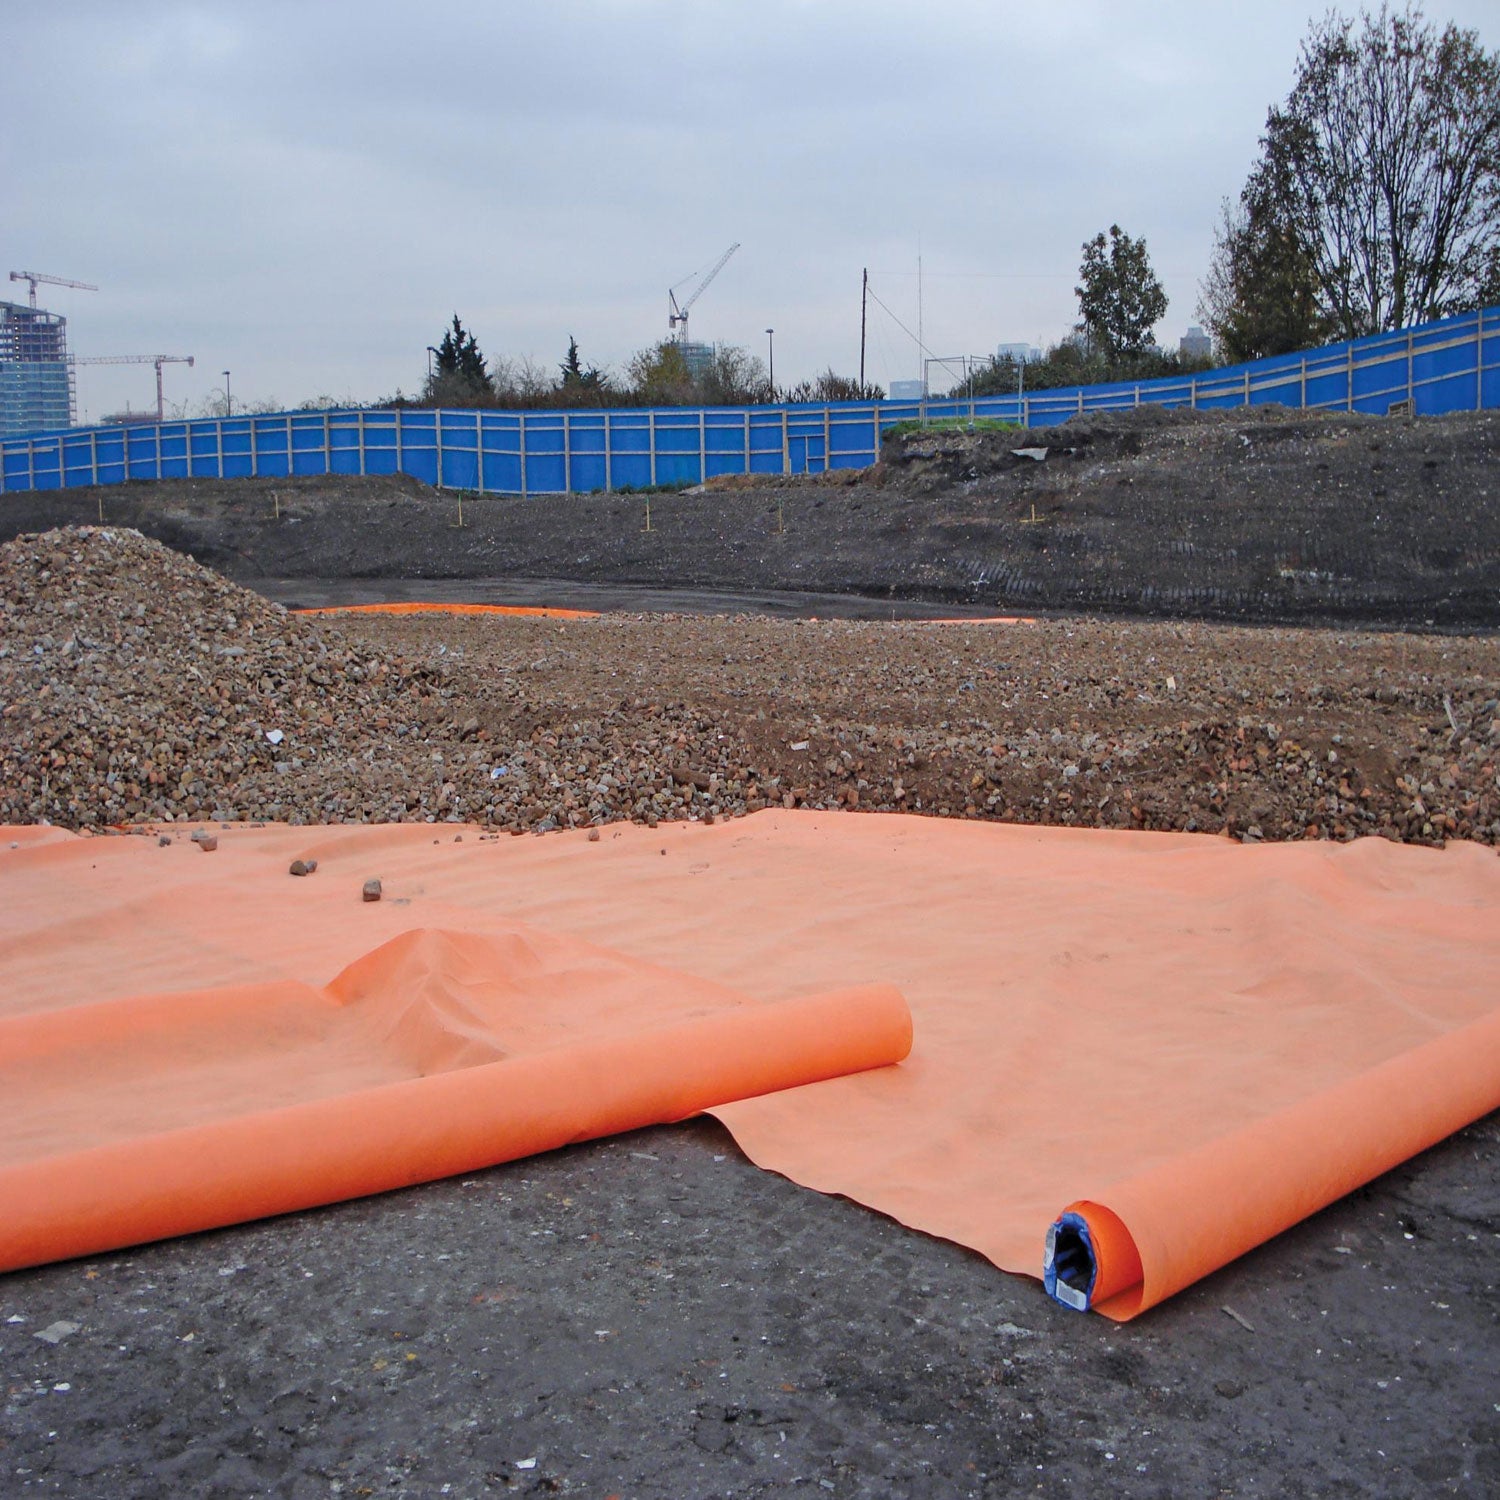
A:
x,y
652,1316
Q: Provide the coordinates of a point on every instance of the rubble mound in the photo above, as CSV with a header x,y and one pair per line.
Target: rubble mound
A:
x,y
138,685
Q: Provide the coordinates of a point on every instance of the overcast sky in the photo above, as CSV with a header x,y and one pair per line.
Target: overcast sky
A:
x,y
304,193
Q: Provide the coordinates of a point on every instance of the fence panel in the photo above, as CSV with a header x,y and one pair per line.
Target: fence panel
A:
x,y
1452,365
546,451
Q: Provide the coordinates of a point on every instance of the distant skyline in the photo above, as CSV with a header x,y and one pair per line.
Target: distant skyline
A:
x,y
304,194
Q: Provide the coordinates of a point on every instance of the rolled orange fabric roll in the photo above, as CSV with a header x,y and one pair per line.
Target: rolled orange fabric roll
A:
x,y
138,1119
1205,1039
1158,1232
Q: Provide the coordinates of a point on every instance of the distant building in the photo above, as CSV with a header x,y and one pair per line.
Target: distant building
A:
x,y
1022,354
36,380
699,358
906,390
1195,344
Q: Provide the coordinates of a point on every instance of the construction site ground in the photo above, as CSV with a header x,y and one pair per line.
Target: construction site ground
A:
x,y
1264,515
654,1316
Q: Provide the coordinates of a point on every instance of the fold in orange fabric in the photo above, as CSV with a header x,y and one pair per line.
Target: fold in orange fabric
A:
x,y
133,1119
1190,1042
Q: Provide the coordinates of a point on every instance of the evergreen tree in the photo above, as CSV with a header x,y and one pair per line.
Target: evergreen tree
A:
x,y
459,362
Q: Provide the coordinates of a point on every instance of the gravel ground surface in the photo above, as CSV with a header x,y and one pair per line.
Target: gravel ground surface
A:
x,y
137,686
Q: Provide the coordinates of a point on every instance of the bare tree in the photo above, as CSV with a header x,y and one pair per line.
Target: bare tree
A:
x,y
1385,159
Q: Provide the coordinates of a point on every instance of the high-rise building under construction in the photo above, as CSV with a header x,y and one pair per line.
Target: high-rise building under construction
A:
x,y
36,377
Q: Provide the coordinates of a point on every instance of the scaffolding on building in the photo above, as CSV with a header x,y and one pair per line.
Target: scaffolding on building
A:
x,y
37,391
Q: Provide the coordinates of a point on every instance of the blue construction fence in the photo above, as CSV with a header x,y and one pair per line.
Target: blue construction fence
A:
x,y
1452,365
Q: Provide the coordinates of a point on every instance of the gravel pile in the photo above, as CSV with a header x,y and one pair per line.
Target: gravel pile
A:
x,y
137,686
1259,734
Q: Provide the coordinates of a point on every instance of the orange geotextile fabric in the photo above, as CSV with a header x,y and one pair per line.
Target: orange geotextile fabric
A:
x,y
1207,1040
134,1118
407,607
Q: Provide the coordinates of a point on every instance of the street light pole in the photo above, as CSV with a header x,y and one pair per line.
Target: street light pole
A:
x,y
228,400
430,352
771,358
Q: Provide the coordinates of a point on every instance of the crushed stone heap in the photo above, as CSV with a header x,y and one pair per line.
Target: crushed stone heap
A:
x,y
138,686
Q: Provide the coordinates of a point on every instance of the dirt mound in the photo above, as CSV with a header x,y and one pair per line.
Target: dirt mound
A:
x,y
954,456
136,685
1257,515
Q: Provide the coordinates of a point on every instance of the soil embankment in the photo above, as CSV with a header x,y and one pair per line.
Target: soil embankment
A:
x,y
1263,515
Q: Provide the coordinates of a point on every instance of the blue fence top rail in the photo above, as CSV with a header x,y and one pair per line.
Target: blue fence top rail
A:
x,y
1439,367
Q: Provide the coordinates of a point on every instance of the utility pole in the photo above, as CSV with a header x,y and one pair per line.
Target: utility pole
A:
x,y
864,297
921,339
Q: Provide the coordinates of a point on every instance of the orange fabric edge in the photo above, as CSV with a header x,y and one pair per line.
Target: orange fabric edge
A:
x,y
1190,1216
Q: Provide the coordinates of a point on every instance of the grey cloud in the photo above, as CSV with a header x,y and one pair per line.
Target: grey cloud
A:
x,y
304,193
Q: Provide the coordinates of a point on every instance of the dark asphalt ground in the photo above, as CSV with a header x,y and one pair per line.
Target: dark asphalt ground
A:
x,y
654,1316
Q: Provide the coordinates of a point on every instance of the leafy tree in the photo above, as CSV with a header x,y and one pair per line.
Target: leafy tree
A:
x,y
1383,171
1119,297
459,362
659,376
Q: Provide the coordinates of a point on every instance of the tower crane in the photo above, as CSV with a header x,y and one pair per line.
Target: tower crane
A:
x,y
677,319
35,276
137,359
